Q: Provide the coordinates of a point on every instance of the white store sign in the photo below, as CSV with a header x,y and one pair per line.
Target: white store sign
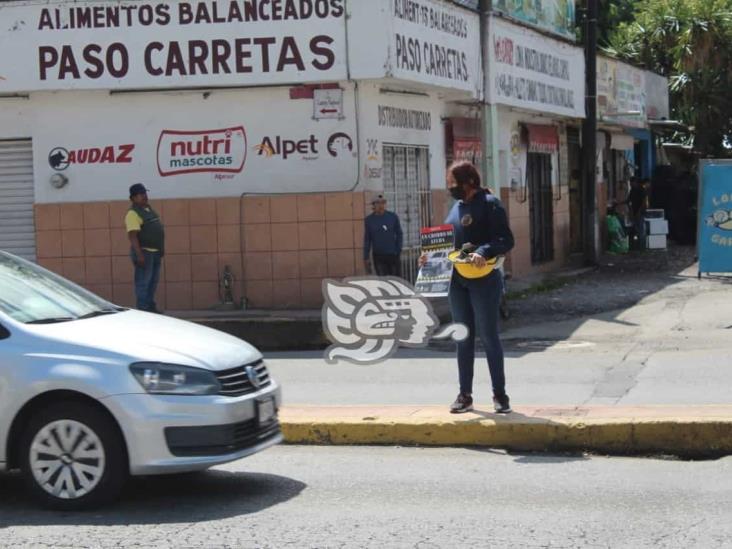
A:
x,y
529,71
60,45
631,96
435,43
224,145
621,93
431,42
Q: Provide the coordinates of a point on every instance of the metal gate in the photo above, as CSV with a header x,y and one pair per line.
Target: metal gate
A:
x,y
17,228
541,208
407,191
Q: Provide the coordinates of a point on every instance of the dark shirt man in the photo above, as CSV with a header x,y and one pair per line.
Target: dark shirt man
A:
x,y
147,246
636,197
383,233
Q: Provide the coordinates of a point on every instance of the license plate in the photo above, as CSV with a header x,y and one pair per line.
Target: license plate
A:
x,y
266,411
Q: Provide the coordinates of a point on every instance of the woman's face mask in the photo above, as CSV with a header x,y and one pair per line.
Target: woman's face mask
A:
x,y
457,192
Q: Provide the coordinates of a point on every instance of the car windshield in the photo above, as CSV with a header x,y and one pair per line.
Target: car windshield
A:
x,y
33,295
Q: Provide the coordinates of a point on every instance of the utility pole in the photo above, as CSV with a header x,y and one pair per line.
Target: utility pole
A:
x,y
589,137
489,115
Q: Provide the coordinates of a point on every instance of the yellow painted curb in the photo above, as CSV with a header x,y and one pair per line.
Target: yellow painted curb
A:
x,y
701,431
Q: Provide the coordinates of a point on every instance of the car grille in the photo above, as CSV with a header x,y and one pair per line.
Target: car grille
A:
x,y
236,382
217,440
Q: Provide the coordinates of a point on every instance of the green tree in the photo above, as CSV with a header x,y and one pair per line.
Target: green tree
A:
x,y
612,14
690,41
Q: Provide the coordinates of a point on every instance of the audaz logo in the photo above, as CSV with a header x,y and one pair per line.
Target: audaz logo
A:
x,y
61,158
368,318
212,151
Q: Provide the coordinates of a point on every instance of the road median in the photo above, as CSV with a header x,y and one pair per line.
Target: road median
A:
x,y
693,432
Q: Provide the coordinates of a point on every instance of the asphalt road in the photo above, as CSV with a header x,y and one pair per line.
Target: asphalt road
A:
x,y
400,497
674,347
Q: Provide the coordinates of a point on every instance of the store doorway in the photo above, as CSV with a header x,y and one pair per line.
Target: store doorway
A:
x,y
541,207
574,162
407,192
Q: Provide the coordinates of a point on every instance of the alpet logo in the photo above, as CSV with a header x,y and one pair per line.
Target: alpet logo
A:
x,y
212,151
280,146
369,318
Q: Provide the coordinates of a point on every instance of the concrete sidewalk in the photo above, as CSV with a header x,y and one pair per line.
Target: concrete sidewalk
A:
x,y
654,378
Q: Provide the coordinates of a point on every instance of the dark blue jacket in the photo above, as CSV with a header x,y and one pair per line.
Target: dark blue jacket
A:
x,y
384,233
482,222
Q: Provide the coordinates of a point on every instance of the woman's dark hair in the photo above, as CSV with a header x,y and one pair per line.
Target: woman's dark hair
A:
x,y
465,173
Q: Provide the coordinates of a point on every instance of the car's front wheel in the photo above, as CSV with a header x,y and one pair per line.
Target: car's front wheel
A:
x,y
73,456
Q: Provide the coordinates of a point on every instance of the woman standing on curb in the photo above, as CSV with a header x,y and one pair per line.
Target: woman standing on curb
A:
x,y
478,218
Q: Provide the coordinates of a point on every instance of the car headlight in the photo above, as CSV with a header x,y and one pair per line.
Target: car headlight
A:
x,y
171,379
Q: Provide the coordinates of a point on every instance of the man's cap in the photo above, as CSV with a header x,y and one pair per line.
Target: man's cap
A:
x,y
379,198
137,188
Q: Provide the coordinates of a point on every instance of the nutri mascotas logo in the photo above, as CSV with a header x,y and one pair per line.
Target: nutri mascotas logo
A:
x,y
212,151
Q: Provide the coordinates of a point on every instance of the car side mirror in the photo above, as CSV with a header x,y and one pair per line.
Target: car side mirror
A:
x,y
4,333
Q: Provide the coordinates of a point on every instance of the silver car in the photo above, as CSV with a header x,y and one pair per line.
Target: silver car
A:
x,y
91,392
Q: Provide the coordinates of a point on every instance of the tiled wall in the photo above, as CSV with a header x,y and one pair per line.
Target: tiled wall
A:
x,y
279,248
519,260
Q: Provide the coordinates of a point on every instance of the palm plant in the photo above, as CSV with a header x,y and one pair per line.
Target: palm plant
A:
x,y
690,41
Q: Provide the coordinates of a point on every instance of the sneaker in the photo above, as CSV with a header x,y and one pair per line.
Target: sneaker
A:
x,y
501,404
463,403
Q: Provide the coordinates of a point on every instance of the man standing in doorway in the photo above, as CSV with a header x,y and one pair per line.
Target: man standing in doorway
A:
x,y
147,241
636,200
383,232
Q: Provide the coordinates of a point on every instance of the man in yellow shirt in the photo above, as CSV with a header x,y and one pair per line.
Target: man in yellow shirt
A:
x,y
147,241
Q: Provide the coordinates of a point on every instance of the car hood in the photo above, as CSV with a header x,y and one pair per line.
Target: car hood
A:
x,y
145,337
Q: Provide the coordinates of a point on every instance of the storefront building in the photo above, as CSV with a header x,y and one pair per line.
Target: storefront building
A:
x,y
629,100
262,130
535,86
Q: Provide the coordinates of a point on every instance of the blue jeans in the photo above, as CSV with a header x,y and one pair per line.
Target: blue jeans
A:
x,y
146,279
474,302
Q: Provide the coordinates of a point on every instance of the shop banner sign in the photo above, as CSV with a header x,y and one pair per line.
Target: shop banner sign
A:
x,y
530,71
65,44
557,16
621,93
714,239
434,42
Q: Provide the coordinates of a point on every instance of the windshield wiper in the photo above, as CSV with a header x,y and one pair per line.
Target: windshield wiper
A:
x,y
100,312
54,320
51,320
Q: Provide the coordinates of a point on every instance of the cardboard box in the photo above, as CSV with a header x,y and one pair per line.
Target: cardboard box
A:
x,y
656,226
654,214
656,242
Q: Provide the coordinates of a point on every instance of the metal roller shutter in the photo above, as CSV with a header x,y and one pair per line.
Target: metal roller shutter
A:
x,y
17,228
